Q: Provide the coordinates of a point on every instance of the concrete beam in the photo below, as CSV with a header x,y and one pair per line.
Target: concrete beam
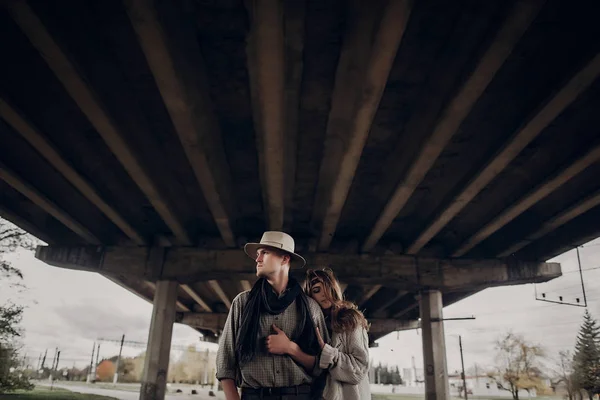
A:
x,y
179,304
401,272
553,108
214,285
579,208
180,76
129,287
455,113
381,308
294,13
211,321
24,224
23,187
85,98
343,287
192,293
405,310
374,289
156,363
216,321
39,142
362,73
266,66
387,325
246,285
434,346
537,194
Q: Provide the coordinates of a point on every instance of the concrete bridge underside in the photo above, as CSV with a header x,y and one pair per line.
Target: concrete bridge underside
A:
x,y
424,150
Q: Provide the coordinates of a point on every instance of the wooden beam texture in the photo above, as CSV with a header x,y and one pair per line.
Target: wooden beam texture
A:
x,y
553,108
537,194
84,96
183,85
455,113
47,150
360,80
402,272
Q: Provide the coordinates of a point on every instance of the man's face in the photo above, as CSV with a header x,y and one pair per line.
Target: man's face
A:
x,y
269,262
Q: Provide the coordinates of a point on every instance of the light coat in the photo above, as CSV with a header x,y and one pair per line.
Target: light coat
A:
x,y
347,360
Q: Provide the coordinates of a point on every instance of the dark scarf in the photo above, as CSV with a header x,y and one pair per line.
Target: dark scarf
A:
x,y
262,299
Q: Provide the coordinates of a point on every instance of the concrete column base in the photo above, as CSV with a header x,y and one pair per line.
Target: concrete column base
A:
x,y
434,346
156,364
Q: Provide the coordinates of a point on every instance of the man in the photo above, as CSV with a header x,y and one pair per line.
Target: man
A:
x,y
251,352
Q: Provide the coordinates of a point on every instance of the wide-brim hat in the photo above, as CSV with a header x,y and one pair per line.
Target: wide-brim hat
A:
x,y
276,240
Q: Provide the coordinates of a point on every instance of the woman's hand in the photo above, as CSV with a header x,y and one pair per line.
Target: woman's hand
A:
x,y
320,339
278,343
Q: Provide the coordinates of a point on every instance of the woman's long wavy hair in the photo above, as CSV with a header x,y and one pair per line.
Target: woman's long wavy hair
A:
x,y
345,315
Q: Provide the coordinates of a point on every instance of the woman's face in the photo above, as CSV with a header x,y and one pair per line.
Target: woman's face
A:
x,y
317,292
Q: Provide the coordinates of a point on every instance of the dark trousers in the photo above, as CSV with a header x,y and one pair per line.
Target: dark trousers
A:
x,y
301,392
246,396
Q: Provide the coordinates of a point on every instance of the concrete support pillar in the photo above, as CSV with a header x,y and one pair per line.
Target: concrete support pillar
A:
x,y
156,364
434,347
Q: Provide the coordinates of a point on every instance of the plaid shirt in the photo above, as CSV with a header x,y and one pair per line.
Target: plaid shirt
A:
x,y
265,370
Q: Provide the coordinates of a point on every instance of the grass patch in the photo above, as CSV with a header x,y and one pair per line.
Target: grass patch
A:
x,y
104,385
56,394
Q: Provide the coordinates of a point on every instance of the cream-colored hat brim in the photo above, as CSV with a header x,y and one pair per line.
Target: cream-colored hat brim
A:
x,y
251,248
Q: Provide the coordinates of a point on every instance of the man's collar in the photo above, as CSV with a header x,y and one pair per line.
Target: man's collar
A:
x,y
282,293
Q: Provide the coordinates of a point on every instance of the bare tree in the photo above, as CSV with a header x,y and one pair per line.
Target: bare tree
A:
x,y
11,238
517,365
562,374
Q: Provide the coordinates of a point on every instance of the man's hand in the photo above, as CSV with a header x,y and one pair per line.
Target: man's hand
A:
x,y
278,343
320,338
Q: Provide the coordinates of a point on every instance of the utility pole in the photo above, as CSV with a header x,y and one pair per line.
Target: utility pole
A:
x,y
97,354
54,358
44,359
205,378
581,277
91,364
414,367
53,372
462,362
97,357
116,377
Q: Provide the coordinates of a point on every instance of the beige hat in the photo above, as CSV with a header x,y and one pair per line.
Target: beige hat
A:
x,y
276,240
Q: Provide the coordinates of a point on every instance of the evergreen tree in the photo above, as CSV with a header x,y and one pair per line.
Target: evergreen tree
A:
x,y
396,378
586,361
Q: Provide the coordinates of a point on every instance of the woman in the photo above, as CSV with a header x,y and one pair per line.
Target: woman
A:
x,y
347,358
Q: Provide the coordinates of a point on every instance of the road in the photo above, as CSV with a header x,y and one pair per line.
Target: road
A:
x,y
129,395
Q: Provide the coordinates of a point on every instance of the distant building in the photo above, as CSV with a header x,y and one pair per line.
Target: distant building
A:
x,y
482,386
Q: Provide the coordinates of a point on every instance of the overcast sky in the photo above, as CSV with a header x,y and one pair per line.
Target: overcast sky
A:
x,y
70,309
